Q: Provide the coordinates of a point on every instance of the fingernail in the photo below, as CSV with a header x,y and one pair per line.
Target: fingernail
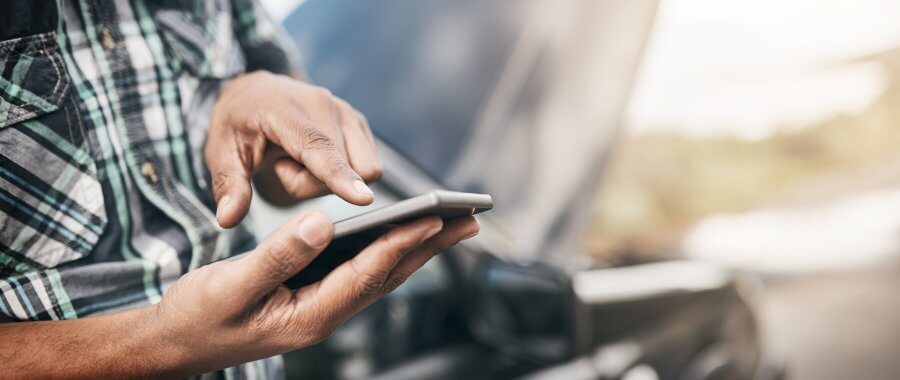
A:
x,y
313,231
223,203
361,188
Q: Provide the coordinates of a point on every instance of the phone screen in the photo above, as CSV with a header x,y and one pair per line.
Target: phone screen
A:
x,y
338,251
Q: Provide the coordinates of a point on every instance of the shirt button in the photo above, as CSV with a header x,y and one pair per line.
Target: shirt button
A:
x,y
106,39
149,172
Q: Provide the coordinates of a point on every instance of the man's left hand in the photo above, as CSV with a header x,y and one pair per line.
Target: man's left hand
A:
x,y
297,138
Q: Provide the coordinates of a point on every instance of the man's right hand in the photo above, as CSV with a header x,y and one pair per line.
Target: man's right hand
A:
x,y
231,312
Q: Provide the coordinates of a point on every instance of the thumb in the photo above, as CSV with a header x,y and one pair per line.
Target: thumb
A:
x,y
230,184
286,251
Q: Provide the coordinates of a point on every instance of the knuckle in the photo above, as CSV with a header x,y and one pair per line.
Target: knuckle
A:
x,y
315,329
263,329
307,190
371,172
259,324
209,291
324,93
280,260
397,241
348,114
437,249
296,190
369,283
258,119
392,241
363,120
395,281
220,181
338,165
343,105
324,97
315,140
294,185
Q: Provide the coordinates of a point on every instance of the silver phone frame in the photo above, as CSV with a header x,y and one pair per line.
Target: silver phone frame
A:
x,y
431,203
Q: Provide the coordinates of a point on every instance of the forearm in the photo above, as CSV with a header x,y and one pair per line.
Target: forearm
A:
x,y
122,345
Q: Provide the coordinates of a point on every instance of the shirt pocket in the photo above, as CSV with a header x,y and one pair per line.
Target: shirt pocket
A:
x,y
199,38
31,83
51,202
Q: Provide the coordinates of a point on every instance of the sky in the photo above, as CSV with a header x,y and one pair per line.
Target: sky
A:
x,y
749,67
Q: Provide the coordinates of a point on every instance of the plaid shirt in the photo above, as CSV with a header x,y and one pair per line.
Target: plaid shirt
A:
x,y
104,108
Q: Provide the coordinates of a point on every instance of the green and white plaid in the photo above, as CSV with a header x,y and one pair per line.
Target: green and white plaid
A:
x,y
105,198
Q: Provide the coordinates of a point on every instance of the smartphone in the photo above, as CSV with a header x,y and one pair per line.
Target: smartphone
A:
x,y
353,234
446,204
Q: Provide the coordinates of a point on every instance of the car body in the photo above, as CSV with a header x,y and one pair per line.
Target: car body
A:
x,y
522,100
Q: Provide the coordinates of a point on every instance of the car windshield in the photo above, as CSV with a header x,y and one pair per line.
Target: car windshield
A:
x,y
517,99
426,71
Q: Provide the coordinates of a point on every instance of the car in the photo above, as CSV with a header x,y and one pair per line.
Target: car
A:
x,y
522,100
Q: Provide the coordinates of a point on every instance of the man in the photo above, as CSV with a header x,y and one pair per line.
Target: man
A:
x,y
110,216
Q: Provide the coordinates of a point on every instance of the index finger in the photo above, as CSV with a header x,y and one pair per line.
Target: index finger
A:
x,y
306,143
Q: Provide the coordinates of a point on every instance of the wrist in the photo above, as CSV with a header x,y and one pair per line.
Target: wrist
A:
x,y
181,348
158,344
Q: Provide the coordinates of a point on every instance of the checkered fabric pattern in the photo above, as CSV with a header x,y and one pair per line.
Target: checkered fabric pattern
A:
x,y
103,117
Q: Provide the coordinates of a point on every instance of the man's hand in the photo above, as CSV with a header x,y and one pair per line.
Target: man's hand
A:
x,y
238,311
230,312
297,138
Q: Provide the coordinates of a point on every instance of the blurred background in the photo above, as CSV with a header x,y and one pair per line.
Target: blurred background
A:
x,y
758,139
765,135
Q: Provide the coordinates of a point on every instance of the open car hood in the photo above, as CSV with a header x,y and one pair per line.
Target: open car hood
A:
x,y
519,99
